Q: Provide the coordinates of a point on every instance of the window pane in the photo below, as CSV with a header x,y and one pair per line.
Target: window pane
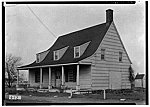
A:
x,y
70,76
37,76
120,56
102,54
56,55
77,53
37,57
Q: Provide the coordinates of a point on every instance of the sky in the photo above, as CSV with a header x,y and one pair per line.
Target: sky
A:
x,y
25,35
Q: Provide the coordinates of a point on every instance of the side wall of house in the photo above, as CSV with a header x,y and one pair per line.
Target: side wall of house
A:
x,y
85,77
110,73
32,78
53,78
45,78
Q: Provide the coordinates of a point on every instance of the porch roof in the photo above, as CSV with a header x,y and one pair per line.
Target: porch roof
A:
x,y
139,76
94,34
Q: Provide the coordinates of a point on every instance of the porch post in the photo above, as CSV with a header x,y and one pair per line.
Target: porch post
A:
x,y
62,76
17,78
78,84
50,84
41,78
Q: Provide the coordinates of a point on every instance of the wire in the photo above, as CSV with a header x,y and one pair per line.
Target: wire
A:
x,y
40,21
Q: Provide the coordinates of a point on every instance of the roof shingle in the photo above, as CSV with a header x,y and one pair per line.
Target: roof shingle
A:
x,y
95,34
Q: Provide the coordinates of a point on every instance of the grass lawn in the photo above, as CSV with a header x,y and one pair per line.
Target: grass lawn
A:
x,y
38,97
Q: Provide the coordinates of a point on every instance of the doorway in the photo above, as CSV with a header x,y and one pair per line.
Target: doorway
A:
x,y
58,78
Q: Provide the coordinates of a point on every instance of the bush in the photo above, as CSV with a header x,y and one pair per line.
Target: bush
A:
x,y
11,90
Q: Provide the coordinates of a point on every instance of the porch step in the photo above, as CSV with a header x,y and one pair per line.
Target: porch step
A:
x,y
83,91
73,91
54,90
31,89
42,90
20,89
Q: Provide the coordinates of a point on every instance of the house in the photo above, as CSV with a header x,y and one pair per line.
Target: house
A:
x,y
140,80
92,58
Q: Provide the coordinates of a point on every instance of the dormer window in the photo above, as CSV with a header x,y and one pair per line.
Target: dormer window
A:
x,y
77,52
56,55
37,58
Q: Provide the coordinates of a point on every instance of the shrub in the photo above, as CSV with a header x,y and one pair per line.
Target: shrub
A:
x,y
11,90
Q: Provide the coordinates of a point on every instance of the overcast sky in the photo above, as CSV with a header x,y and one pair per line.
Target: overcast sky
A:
x,y
26,36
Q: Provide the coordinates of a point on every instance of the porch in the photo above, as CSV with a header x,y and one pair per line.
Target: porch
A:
x,y
76,76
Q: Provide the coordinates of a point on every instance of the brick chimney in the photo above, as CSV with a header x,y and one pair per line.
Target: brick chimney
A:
x,y
109,16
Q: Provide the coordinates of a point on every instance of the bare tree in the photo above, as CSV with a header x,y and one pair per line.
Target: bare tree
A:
x,y
11,62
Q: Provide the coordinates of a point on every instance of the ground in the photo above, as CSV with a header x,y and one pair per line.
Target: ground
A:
x,y
55,97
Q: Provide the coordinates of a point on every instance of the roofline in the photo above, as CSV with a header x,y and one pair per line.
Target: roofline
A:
x,y
43,51
46,66
85,28
99,44
122,42
119,38
85,63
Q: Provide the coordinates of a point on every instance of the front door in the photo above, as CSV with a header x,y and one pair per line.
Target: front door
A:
x,y
58,78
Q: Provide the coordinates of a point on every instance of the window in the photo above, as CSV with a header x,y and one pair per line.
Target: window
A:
x,y
57,75
77,52
70,75
37,58
56,55
102,54
120,56
37,76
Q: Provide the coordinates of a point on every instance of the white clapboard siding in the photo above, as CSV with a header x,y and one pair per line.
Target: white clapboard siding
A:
x,y
71,85
112,37
32,79
113,63
115,80
100,74
110,73
45,78
100,85
53,79
125,72
114,50
85,77
112,47
112,44
100,79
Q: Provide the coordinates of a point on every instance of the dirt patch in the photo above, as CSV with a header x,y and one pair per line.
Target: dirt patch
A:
x,y
137,97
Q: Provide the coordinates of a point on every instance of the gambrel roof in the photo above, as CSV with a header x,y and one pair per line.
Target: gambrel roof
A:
x,y
94,34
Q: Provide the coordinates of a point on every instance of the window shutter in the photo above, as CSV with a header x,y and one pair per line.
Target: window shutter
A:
x,y
66,75
35,77
74,76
